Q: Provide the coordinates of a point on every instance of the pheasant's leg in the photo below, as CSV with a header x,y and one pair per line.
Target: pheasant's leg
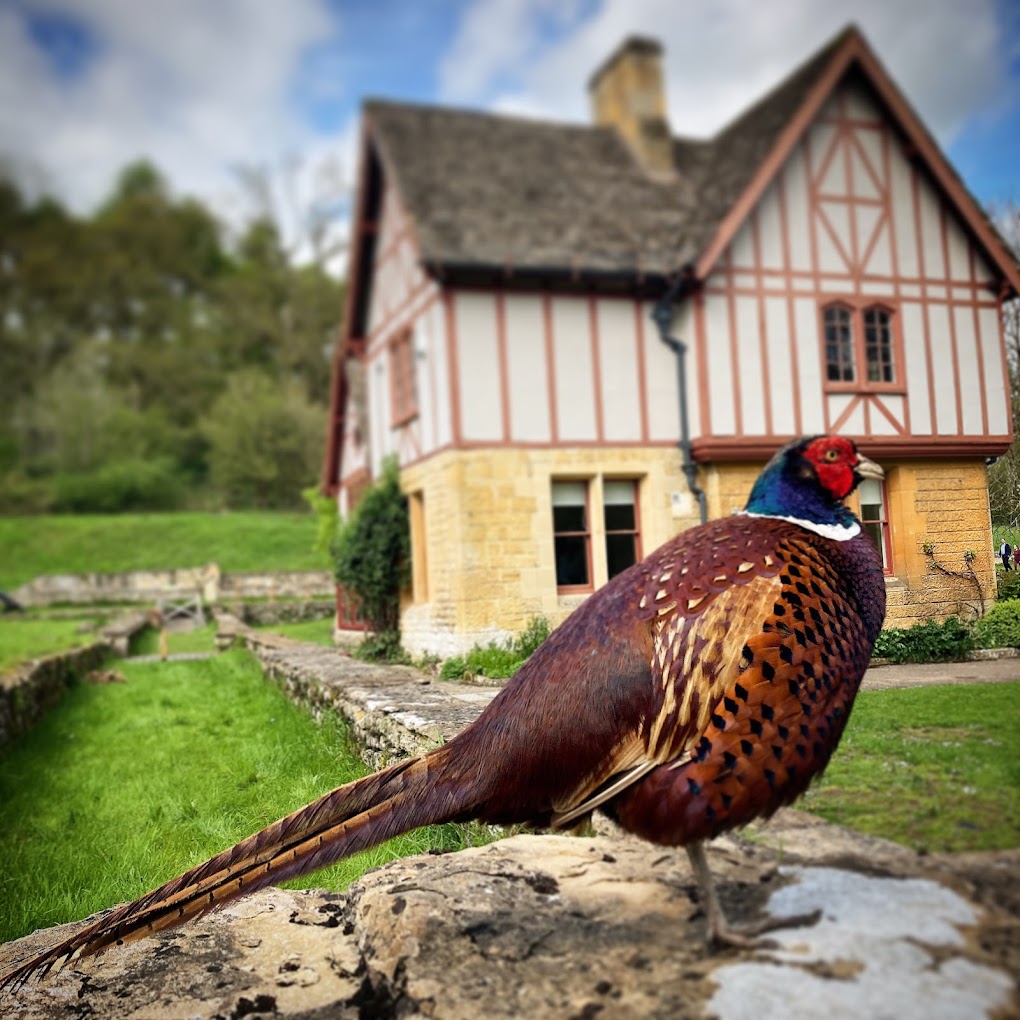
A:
x,y
720,932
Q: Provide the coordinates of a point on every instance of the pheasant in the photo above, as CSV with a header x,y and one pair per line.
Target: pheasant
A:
x,y
699,689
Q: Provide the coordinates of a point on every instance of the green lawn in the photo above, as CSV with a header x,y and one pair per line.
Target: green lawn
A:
x,y
201,639
122,786
82,543
319,632
934,768
24,638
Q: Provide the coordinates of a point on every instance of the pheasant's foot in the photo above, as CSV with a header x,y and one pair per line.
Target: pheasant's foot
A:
x,y
748,936
744,936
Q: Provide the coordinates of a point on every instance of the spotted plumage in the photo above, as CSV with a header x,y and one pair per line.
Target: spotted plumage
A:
x,y
699,689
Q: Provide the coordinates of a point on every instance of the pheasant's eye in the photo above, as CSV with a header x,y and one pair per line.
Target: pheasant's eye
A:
x,y
831,455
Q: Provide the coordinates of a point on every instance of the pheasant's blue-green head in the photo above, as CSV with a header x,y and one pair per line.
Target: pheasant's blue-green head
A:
x,y
807,481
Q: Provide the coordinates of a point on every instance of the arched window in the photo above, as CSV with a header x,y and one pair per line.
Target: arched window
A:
x,y
859,347
878,349
839,344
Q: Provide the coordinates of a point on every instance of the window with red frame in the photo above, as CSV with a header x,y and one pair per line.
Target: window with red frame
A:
x,y
571,535
875,518
403,379
859,345
623,537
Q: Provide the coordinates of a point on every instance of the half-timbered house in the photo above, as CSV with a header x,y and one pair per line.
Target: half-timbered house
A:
x,y
819,261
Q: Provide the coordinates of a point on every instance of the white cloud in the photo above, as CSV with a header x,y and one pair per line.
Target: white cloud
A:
x,y
723,55
196,87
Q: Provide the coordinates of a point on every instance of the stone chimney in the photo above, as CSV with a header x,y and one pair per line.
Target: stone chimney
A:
x,y
627,94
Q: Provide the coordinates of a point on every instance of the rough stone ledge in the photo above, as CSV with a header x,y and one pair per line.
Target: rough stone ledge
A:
x,y
394,711
560,926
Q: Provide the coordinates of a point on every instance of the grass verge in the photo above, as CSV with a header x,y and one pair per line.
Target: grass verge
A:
x,y
935,768
66,544
319,632
24,638
123,786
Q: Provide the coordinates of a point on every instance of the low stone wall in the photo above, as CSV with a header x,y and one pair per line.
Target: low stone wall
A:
x,y
151,585
34,687
265,614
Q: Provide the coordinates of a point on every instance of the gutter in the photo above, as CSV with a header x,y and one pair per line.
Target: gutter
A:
x,y
662,314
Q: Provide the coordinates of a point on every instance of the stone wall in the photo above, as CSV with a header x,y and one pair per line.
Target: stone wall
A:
x,y
149,586
34,687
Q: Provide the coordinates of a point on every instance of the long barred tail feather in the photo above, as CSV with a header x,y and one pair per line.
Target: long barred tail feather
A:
x,y
360,815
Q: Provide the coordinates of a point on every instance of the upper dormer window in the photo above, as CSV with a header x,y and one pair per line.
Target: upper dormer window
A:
x,y
859,346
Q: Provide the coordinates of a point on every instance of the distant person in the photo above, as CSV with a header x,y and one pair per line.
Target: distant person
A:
x,y
1016,556
1005,552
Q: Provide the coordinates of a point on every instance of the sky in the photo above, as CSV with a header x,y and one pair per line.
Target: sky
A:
x,y
218,92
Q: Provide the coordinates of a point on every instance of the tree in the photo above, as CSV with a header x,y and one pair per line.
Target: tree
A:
x,y
265,441
1004,475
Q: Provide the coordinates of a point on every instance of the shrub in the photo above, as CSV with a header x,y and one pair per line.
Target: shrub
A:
x,y
930,641
119,486
1000,626
1008,584
496,661
373,558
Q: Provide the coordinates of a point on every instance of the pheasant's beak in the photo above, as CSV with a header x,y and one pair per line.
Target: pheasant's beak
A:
x,y
868,469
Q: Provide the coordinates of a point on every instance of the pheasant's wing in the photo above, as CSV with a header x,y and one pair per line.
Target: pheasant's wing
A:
x,y
740,621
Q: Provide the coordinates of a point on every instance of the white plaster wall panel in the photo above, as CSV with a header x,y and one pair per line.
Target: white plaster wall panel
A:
x,y
856,423
961,293
379,400
880,288
983,272
859,104
834,238
936,292
660,381
903,213
916,365
865,179
618,364
931,233
795,198
836,405
996,393
666,386
959,250
741,252
749,365
880,424
970,378
574,373
809,365
720,367
478,367
829,173
873,232
425,426
529,376
439,374
744,279
778,343
910,290
770,237
942,359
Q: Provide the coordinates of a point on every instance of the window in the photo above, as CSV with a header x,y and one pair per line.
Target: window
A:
x,y
878,351
571,537
623,548
403,379
839,345
859,347
875,518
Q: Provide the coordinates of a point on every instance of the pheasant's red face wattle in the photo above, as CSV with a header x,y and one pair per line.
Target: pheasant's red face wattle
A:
x,y
834,459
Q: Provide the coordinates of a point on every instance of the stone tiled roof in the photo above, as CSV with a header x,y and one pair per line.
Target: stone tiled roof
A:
x,y
534,196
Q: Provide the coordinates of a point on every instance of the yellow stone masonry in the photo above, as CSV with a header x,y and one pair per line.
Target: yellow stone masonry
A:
x,y
484,519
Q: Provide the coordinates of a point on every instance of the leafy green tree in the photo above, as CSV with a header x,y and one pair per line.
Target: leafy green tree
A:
x,y
265,441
